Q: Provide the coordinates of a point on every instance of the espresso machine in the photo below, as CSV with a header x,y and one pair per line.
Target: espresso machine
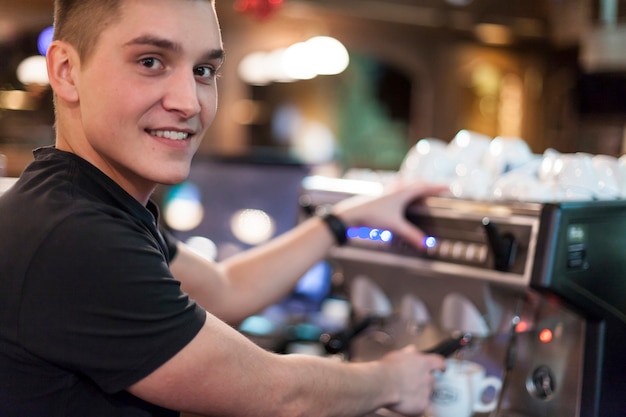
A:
x,y
540,287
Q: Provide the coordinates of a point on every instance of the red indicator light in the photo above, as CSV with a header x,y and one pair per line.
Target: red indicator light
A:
x,y
545,336
521,327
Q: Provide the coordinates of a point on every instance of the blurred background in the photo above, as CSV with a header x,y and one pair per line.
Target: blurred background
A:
x,y
550,71
338,86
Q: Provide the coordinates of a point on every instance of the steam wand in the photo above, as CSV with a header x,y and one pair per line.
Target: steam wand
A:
x,y
340,342
510,356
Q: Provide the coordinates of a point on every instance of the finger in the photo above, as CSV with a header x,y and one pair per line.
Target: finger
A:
x,y
428,190
438,363
412,235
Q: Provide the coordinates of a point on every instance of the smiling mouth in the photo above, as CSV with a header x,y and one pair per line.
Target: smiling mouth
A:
x,y
169,134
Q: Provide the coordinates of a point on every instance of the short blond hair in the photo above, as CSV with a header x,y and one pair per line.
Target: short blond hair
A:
x,y
80,22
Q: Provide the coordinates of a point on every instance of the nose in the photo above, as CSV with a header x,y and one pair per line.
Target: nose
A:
x,y
182,94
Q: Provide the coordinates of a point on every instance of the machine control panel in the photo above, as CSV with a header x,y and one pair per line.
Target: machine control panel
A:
x,y
485,240
491,242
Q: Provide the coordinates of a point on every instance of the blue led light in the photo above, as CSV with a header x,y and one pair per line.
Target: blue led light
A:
x,y
386,236
364,232
374,234
368,233
430,242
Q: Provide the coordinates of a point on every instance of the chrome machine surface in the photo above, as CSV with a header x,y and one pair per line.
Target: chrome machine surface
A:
x,y
541,286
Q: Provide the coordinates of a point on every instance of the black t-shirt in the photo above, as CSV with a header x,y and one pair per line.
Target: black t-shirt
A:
x,y
88,305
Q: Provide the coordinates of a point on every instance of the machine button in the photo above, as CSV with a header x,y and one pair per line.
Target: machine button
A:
x,y
482,254
457,250
444,249
476,253
471,252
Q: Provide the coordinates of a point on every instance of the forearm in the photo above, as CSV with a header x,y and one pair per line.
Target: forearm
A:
x,y
265,274
222,373
246,283
401,381
325,387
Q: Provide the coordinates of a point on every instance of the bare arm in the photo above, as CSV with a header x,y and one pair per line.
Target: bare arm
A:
x,y
221,373
250,281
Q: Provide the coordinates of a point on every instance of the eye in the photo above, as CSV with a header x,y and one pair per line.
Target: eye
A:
x,y
151,63
206,72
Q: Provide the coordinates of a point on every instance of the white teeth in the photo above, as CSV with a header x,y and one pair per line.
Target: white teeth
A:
x,y
170,134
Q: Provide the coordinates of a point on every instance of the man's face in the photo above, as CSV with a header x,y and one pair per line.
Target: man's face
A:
x,y
148,92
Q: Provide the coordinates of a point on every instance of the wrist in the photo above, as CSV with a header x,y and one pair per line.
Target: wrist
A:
x,y
387,379
336,226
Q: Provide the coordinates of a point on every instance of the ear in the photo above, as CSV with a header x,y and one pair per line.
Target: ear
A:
x,y
63,67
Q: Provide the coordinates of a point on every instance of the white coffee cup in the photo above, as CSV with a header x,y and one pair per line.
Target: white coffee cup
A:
x,y
575,176
471,182
610,174
428,160
459,391
468,147
505,154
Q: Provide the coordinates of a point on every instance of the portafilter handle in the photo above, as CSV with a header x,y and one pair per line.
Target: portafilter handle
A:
x,y
451,345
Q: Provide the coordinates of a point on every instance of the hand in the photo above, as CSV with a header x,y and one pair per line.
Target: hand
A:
x,y
412,374
387,211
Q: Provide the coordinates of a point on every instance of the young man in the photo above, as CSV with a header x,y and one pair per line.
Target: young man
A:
x,y
100,314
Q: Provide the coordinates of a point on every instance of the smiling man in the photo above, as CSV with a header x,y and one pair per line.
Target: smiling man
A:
x,y
101,314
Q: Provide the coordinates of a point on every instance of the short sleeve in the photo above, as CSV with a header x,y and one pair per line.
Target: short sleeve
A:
x,y
171,242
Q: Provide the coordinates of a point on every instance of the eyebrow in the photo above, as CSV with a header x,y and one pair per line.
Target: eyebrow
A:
x,y
163,43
